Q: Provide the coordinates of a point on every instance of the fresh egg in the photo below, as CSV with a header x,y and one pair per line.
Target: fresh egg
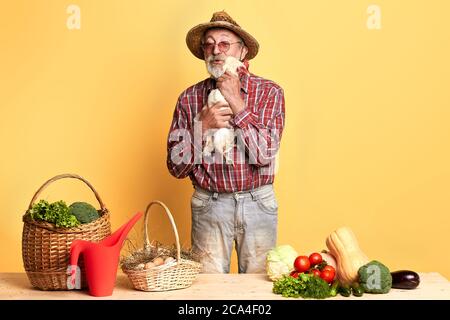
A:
x,y
169,260
158,261
140,266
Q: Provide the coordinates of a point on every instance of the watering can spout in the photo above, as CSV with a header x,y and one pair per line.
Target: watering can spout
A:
x,y
101,259
118,237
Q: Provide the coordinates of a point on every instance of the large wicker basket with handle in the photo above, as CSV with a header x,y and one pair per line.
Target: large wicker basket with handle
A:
x,y
178,274
46,248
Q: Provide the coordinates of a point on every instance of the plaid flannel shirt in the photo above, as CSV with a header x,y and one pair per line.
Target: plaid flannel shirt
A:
x,y
259,127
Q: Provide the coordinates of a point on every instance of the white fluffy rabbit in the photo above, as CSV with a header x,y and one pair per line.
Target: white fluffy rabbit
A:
x,y
223,139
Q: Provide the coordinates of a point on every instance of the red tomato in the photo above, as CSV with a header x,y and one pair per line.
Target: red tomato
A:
x,y
330,268
294,274
315,272
315,258
302,264
327,275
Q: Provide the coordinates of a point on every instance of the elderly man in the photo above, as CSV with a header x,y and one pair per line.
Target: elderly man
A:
x,y
232,203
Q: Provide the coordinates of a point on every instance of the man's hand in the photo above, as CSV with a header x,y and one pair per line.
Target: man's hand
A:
x,y
215,117
230,87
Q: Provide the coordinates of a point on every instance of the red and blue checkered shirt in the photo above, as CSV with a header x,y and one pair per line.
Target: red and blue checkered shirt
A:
x,y
260,126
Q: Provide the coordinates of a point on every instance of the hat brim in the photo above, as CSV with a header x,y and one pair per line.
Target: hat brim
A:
x,y
194,38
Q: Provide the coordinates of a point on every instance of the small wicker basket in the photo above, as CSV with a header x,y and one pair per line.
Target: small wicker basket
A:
x,y
46,248
178,274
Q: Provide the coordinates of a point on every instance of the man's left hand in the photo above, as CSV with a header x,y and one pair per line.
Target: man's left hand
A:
x,y
230,87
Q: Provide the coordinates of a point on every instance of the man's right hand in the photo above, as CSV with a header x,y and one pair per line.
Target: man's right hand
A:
x,y
215,117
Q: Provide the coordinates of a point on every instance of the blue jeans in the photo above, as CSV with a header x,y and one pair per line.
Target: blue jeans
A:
x,y
247,219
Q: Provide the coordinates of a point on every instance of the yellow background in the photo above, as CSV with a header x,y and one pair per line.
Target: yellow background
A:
x,y
367,135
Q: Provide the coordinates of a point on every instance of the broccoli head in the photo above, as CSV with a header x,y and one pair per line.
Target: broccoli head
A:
x,y
375,277
84,212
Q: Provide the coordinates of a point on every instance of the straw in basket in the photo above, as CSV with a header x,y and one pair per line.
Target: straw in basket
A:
x,y
178,274
46,248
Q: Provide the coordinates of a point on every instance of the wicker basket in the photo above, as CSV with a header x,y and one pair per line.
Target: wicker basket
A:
x,y
176,275
46,248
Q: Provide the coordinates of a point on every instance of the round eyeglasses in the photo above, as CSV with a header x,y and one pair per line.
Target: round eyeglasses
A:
x,y
223,46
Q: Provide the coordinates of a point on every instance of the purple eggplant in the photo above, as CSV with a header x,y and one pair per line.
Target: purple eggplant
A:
x,y
405,279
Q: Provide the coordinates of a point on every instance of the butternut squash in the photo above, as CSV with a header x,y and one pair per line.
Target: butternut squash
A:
x,y
344,247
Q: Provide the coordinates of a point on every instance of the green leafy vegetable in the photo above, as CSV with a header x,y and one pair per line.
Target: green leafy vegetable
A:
x,y
305,286
56,213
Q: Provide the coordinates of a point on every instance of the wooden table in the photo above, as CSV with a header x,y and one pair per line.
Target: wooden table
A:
x,y
212,287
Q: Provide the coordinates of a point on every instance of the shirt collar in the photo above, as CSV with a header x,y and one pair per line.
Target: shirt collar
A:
x,y
245,79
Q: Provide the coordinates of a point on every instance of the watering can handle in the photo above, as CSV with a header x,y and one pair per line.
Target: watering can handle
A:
x,y
68,175
75,251
172,222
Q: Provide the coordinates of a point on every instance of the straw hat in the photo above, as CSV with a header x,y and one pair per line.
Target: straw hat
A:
x,y
220,19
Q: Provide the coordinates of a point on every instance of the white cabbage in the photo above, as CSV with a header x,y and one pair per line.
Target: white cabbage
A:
x,y
280,261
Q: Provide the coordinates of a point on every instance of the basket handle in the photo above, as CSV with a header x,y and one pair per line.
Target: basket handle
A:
x,y
174,227
67,175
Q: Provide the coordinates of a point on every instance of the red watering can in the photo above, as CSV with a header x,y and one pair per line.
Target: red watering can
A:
x,y
101,259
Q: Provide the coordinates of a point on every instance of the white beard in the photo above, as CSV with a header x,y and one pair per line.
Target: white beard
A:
x,y
230,63
215,71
